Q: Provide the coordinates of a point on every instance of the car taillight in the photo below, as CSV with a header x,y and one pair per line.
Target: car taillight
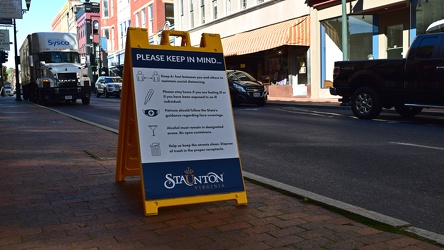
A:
x,y
335,72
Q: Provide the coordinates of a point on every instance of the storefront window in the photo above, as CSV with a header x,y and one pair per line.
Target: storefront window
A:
x,y
394,41
360,43
428,12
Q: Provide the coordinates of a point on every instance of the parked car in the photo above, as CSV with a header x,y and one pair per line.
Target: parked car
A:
x,y
108,86
246,89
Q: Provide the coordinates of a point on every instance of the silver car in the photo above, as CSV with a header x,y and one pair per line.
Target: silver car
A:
x,y
9,91
108,86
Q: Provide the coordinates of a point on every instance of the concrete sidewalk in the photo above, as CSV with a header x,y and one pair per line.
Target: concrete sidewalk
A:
x,y
57,191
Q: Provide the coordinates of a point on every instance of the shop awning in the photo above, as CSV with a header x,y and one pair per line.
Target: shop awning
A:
x,y
292,32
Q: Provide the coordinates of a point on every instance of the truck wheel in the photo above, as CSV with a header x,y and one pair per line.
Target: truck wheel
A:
x,y
366,103
407,111
86,100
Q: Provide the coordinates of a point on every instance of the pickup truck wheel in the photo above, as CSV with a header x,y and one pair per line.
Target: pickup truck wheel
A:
x,y
407,111
366,103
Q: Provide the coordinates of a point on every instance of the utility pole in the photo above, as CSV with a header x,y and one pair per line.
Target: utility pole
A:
x,y
344,31
18,96
2,86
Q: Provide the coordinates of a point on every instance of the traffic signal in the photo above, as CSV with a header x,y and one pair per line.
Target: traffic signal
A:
x,y
3,56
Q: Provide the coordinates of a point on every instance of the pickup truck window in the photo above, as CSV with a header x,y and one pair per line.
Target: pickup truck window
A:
x,y
425,48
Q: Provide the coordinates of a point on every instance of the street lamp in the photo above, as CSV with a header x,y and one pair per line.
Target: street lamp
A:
x,y
17,57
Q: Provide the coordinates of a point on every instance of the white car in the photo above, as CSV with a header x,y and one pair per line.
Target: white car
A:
x,y
108,86
8,91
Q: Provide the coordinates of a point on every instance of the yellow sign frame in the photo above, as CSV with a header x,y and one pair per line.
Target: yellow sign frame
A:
x,y
129,161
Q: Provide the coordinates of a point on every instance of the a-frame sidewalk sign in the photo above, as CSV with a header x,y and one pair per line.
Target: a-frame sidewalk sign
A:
x,y
176,127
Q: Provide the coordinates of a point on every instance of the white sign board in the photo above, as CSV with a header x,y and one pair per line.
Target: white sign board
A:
x,y
11,9
186,126
4,40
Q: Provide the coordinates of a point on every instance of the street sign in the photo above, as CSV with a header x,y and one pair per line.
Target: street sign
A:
x,y
6,21
11,9
176,127
4,40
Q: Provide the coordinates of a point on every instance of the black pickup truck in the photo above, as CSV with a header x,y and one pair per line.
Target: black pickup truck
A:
x,y
408,84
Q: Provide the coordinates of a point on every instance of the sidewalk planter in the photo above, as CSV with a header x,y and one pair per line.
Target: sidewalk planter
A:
x,y
280,90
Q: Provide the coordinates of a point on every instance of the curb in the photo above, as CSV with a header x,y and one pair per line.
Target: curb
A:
x,y
348,208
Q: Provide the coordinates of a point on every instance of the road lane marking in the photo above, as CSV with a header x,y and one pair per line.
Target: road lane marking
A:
x,y
417,145
308,112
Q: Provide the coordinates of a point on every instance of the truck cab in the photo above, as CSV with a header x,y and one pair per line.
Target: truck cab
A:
x,y
51,68
409,84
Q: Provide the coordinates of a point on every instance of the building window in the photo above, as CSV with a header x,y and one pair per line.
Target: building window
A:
x,y
105,8
150,19
95,28
202,11
228,7
214,9
122,30
243,4
169,13
137,19
143,18
112,39
394,41
181,12
181,8
191,14
360,41
106,33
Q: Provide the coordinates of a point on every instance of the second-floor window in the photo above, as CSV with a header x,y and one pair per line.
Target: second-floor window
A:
x,y
202,11
214,9
105,34
151,19
96,27
228,7
169,13
112,48
137,19
105,8
143,18
122,30
191,14
243,4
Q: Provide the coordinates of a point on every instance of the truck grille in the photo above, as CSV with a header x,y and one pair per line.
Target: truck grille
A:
x,y
68,90
67,80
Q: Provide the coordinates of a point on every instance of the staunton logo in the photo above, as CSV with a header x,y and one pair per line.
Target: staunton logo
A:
x,y
209,181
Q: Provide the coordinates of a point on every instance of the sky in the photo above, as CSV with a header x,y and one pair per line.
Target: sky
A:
x,y
38,19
